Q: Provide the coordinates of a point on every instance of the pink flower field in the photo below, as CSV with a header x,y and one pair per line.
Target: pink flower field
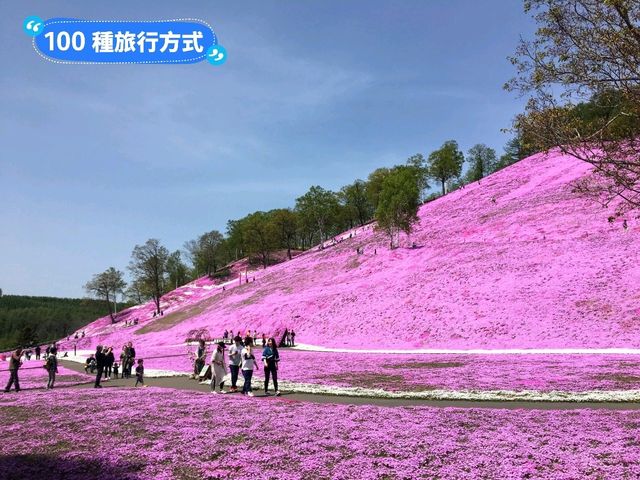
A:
x,y
514,261
419,372
165,434
33,376
572,373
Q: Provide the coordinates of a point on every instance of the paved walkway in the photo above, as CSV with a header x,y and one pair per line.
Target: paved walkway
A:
x,y
185,383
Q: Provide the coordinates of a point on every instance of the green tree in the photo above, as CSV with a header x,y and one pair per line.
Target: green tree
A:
x,y
210,250
27,337
514,151
177,270
446,163
581,73
356,203
319,207
207,252
148,265
137,293
285,222
482,161
420,168
106,286
260,236
398,203
235,239
374,185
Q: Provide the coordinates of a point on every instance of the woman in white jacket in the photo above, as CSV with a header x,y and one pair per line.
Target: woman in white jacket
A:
x,y
218,368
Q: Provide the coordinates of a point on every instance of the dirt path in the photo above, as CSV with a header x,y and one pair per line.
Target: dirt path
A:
x,y
185,383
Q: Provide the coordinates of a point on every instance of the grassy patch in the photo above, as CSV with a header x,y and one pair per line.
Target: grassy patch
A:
x,y
353,263
170,320
618,377
186,473
428,365
376,380
12,415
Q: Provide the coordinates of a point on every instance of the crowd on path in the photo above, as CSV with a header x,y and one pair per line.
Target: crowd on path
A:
x,y
241,359
103,364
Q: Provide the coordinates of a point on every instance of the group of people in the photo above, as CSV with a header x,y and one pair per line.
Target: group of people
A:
x,y
288,338
241,359
50,365
105,364
228,337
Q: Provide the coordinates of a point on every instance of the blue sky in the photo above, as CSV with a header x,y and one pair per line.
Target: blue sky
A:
x,y
95,159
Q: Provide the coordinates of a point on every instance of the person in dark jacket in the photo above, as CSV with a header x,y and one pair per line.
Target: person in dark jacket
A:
x,y
14,365
132,357
140,373
52,367
200,359
38,351
110,358
270,358
101,360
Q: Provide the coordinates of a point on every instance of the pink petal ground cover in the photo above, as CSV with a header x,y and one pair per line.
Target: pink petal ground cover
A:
x,y
514,261
570,373
421,372
33,376
169,434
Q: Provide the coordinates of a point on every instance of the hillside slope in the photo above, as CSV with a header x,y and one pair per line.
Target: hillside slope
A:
x,y
514,261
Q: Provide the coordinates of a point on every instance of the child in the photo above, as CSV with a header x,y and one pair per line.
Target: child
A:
x,y
115,369
140,373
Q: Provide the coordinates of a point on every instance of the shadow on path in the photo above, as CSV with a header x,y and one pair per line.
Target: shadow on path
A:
x,y
20,467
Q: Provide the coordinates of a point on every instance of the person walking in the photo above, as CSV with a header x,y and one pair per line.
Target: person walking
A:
x,y
218,368
200,359
235,360
293,338
52,367
38,351
270,358
100,363
248,364
110,358
124,360
14,365
140,373
132,356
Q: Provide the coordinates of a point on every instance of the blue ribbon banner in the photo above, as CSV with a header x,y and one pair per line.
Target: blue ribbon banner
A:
x,y
91,41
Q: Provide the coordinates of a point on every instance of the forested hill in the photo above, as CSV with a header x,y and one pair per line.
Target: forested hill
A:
x,y
25,320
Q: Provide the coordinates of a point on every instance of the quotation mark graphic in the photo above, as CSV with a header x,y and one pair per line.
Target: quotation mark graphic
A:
x,y
33,26
217,55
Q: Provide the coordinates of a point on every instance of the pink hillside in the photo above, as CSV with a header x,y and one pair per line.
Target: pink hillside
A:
x,y
514,261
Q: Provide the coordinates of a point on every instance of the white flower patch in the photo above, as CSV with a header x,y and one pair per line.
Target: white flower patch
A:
x,y
473,395
477,351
